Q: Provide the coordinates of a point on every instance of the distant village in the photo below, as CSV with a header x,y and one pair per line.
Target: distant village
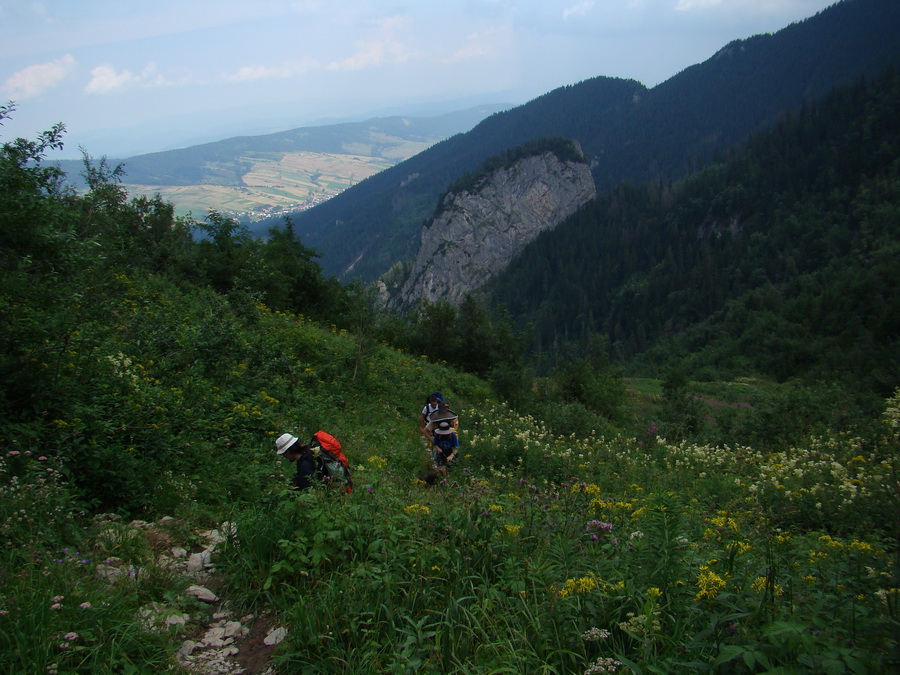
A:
x,y
270,211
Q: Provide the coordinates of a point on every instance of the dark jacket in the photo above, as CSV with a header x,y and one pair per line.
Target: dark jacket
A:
x,y
309,471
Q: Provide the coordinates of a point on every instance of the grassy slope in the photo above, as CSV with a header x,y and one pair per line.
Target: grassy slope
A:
x,y
684,554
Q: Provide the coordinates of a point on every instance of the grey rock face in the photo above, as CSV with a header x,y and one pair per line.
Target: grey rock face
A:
x,y
478,233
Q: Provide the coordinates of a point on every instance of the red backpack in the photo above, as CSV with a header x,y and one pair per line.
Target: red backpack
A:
x,y
335,462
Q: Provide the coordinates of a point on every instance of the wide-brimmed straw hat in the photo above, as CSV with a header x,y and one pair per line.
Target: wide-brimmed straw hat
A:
x,y
444,429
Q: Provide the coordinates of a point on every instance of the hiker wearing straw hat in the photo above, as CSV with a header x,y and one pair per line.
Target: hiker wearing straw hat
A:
x,y
441,413
444,448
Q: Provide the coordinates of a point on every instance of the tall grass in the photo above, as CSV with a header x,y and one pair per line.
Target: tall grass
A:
x,y
540,553
656,559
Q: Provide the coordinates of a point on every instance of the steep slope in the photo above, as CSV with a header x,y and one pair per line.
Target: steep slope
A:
x,y
477,231
377,222
782,259
629,132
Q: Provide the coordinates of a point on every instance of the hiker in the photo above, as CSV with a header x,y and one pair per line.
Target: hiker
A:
x,y
432,404
442,414
445,445
320,460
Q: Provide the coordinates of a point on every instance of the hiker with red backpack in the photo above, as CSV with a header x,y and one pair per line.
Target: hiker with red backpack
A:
x,y
322,460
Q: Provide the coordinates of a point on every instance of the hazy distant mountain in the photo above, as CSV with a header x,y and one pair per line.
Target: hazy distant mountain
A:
x,y
631,133
225,162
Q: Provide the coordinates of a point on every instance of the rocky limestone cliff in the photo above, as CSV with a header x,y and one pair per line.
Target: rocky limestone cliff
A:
x,y
477,233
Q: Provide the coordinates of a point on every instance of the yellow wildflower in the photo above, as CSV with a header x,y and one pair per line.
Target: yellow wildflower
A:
x,y
579,586
417,509
708,584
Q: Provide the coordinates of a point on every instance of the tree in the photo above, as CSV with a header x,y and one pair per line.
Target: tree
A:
x,y
223,252
290,279
33,220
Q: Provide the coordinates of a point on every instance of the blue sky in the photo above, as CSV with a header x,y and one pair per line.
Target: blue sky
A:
x,y
127,77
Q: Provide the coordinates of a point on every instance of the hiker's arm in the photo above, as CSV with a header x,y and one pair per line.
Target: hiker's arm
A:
x,y
423,428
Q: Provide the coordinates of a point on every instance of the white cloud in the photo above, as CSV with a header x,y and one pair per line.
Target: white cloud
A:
x,y
484,44
384,48
36,79
688,5
283,71
580,9
477,45
105,79
752,7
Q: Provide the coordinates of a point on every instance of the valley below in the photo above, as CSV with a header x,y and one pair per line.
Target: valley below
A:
x,y
283,183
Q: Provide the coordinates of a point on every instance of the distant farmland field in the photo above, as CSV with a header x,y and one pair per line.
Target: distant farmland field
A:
x,y
280,183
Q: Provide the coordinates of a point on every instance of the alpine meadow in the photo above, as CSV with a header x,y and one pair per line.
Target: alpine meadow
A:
x,y
679,409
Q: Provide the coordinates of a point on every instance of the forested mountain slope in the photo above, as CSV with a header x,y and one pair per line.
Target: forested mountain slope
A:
x,y
782,260
630,132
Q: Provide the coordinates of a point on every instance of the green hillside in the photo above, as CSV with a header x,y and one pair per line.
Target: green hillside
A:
x,y
149,361
779,260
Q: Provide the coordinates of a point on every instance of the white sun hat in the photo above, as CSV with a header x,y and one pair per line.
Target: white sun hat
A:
x,y
284,442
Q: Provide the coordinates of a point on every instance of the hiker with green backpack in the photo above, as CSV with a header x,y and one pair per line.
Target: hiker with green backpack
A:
x,y
322,460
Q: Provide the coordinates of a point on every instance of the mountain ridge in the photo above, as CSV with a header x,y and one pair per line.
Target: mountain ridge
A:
x,y
630,132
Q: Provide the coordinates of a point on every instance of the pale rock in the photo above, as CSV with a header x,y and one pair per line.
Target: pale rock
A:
x,y
187,648
476,234
202,594
218,536
177,619
216,632
112,572
233,628
195,562
276,636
